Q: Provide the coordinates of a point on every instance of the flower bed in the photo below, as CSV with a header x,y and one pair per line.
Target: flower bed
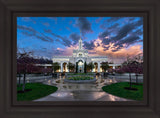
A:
x,y
80,78
80,73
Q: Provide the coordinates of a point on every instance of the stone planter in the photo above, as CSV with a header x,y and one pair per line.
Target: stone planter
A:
x,y
80,81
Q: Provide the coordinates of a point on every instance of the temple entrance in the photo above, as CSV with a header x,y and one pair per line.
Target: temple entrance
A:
x,y
65,67
96,67
80,66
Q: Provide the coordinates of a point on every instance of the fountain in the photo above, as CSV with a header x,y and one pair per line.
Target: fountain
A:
x,y
80,78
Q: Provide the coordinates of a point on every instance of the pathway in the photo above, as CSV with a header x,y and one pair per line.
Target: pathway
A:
x,y
81,96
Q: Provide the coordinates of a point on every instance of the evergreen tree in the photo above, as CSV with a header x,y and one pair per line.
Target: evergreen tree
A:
x,y
90,66
104,66
76,67
85,68
71,66
56,66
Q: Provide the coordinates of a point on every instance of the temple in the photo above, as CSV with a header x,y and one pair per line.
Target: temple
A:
x,y
79,57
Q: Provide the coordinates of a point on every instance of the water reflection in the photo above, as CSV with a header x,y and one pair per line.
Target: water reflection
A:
x,y
79,91
61,94
81,96
92,86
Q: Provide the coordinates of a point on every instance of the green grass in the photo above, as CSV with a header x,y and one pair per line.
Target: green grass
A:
x,y
117,89
38,90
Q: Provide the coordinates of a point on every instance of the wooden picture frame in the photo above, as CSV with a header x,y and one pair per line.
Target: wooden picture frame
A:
x,y
148,108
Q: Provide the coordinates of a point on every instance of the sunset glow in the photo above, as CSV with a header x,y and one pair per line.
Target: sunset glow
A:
x,y
114,37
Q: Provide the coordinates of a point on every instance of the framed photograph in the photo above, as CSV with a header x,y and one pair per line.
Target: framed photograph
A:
x,y
59,52
83,59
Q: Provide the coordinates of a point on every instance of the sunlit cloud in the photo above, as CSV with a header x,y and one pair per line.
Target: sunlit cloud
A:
x,y
68,51
117,56
99,50
120,36
107,37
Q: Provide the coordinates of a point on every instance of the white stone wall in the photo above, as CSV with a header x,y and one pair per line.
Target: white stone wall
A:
x,y
75,57
73,60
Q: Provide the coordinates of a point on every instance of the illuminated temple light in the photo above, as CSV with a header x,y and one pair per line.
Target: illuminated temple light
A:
x,y
79,56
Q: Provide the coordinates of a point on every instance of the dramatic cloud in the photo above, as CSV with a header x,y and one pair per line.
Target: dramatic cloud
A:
x,y
139,32
88,45
74,37
44,52
124,31
114,37
104,34
106,22
64,40
125,35
130,40
130,19
110,30
113,19
84,25
47,30
44,38
66,51
139,22
116,56
29,31
113,28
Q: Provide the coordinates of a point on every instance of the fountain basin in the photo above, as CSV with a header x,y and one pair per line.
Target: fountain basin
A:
x,y
80,81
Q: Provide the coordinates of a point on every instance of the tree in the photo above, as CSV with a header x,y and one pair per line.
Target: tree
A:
x,y
19,71
111,70
128,66
76,67
104,66
138,63
46,70
18,67
25,65
119,70
56,66
90,66
71,66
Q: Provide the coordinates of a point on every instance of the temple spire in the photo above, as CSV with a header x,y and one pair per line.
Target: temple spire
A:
x,y
80,42
80,35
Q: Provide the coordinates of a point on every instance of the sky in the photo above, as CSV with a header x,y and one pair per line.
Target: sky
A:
x,y
114,37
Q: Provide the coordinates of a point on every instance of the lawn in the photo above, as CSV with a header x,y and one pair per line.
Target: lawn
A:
x,y
37,90
117,89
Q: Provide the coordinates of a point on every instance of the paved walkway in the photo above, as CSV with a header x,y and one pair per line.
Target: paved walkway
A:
x,y
81,92
81,96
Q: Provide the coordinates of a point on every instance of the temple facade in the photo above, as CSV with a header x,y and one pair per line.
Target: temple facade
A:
x,y
80,56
